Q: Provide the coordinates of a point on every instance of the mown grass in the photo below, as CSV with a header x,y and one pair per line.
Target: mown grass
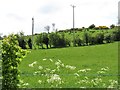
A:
x,y
93,57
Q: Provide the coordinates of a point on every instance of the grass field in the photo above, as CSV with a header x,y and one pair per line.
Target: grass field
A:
x,y
73,67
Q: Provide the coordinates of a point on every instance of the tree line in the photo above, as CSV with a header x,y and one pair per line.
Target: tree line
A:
x,y
60,39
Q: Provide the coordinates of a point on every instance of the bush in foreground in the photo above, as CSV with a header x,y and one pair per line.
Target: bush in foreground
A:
x,y
12,55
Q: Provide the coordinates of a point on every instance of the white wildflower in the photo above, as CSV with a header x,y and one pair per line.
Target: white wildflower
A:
x,y
76,74
35,73
113,82
39,81
82,70
30,65
21,81
101,72
88,69
34,62
67,66
59,61
40,67
53,71
70,67
62,65
44,59
54,78
25,84
86,77
51,60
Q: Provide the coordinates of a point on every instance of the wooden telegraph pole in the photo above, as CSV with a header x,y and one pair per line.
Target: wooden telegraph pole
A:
x,y
32,31
73,25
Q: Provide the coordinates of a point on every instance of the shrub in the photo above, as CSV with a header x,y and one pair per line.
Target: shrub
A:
x,y
12,55
42,39
30,43
38,40
54,39
116,34
86,37
58,40
103,27
45,39
108,38
99,38
77,41
92,39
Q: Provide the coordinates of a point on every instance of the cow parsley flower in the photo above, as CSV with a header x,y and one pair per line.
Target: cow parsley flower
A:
x,y
82,70
76,74
32,64
44,59
70,67
54,78
39,81
25,84
51,60
40,67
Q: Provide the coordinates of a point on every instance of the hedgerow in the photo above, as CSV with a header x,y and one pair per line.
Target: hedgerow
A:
x,y
12,55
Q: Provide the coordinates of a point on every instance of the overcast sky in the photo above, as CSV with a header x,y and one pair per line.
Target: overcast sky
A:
x,y
16,15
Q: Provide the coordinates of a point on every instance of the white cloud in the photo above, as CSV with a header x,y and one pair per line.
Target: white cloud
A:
x,y
16,15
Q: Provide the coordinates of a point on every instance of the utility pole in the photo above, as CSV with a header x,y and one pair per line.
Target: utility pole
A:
x,y
32,30
73,25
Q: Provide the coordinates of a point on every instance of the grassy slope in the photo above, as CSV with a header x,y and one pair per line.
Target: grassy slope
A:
x,y
94,57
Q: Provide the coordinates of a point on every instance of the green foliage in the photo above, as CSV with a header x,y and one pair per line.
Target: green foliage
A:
x,y
38,40
99,38
108,38
86,37
42,39
21,40
92,26
30,43
58,40
92,39
12,55
45,39
116,34
82,37
112,26
77,41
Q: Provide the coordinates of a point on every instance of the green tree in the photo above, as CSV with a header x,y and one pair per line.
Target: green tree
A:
x,y
42,39
86,37
21,40
39,40
112,26
91,26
